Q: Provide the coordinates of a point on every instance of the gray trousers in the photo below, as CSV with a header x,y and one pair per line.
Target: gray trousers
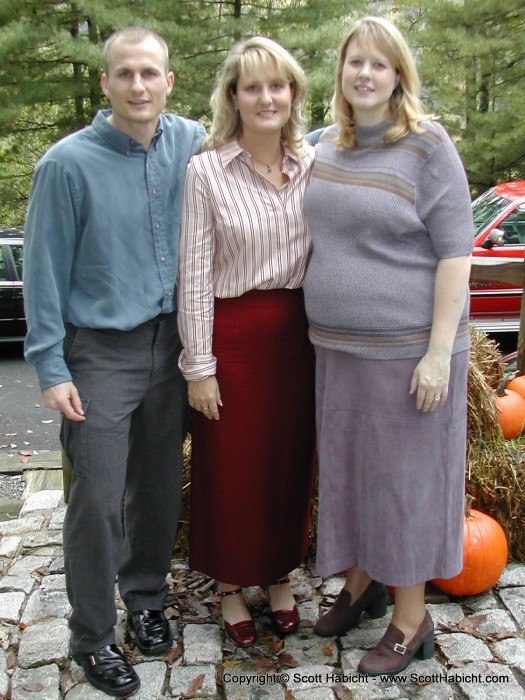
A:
x,y
126,457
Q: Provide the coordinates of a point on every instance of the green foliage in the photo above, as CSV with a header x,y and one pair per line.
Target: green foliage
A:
x,y
472,63
471,56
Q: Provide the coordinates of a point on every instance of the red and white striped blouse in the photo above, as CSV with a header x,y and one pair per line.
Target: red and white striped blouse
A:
x,y
238,233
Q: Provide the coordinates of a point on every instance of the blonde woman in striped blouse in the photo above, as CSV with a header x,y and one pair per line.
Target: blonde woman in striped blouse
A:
x,y
247,357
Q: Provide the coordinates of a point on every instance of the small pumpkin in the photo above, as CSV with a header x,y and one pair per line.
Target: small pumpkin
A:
x,y
485,552
518,385
511,410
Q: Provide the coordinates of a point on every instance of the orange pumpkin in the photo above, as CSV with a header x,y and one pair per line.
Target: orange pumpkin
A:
x,y
518,385
485,553
511,411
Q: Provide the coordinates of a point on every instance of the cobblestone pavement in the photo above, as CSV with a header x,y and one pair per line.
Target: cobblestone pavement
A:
x,y
479,653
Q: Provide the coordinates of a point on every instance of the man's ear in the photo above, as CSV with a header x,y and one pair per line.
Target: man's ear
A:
x,y
104,84
170,79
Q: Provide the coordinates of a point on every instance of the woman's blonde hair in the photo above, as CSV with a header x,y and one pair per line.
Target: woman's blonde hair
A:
x,y
406,107
249,57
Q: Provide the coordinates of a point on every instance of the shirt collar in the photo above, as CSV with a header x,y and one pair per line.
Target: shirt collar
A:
x,y
233,149
119,139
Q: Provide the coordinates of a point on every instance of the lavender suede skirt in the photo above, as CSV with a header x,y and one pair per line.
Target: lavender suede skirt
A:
x,y
391,477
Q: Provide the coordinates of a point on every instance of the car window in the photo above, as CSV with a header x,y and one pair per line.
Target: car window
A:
x,y
513,226
3,266
485,208
18,257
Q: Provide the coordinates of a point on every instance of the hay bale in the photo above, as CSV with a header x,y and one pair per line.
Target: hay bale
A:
x,y
181,547
495,466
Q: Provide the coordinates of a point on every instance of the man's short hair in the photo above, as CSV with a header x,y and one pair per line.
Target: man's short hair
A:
x,y
135,35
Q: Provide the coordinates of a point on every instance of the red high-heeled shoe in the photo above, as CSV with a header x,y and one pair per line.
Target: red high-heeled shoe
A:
x,y
243,633
284,621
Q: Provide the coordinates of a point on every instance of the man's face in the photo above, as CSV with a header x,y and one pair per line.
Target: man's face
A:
x,y
136,84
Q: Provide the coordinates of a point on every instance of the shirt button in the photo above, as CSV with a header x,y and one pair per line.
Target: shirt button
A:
x,y
157,225
169,294
154,190
162,258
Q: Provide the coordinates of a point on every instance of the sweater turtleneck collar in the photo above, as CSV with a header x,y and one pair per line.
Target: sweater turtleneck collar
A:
x,y
368,135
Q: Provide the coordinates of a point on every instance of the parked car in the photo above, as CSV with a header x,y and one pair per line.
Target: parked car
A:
x,y
499,223
12,317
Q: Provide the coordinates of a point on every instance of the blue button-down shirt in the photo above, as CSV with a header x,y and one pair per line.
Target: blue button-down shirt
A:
x,y
102,234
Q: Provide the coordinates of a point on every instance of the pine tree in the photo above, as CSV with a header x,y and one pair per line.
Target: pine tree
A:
x,y
472,58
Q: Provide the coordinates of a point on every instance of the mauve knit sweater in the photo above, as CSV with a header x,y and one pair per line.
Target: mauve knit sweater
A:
x,y
381,217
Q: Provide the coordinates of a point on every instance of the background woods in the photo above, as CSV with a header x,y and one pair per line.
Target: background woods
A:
x,y
471,55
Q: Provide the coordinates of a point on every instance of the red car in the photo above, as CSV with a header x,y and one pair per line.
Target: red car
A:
x,y
499,223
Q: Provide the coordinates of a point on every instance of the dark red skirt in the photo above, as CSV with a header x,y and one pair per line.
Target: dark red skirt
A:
x,y
252,471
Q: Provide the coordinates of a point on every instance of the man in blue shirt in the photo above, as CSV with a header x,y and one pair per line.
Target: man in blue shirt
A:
x,y
102,236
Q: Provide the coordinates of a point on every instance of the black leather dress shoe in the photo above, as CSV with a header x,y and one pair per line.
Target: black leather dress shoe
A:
x,y
150,631
108,670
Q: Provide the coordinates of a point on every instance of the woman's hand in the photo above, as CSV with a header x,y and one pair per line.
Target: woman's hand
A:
x,y
430,381
204,396
431,376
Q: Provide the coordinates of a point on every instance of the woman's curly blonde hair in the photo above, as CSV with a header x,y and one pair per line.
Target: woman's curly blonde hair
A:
x,y
406,107
250,57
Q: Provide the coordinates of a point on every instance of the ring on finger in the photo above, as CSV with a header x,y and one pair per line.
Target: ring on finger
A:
x,y
205,408
437,398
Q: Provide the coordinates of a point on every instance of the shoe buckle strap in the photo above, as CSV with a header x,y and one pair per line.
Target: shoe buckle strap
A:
x,y
399,648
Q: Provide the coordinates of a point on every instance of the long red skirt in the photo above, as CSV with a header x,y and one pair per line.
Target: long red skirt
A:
x,y
252,470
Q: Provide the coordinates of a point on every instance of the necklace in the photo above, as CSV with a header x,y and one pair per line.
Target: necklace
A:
x,y
269,166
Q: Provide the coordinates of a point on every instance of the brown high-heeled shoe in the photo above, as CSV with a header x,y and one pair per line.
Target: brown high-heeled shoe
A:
x,y
284,621
344,615
391,656
242,633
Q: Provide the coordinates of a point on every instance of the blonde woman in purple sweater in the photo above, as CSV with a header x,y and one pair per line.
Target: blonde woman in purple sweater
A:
x,y
389,212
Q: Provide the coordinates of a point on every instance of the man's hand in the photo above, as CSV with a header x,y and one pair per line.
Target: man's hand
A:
x,y
64,398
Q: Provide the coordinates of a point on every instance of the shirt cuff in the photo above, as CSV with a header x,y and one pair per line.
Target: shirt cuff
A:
x,y
194,367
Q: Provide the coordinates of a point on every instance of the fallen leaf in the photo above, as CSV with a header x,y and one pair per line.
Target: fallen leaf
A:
x,y
24,460
503,635
342,692
264,663
25,453
287,659
470,624
195,684
10,434
328,650
275,645
32,687
173,654
442,627
197,606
